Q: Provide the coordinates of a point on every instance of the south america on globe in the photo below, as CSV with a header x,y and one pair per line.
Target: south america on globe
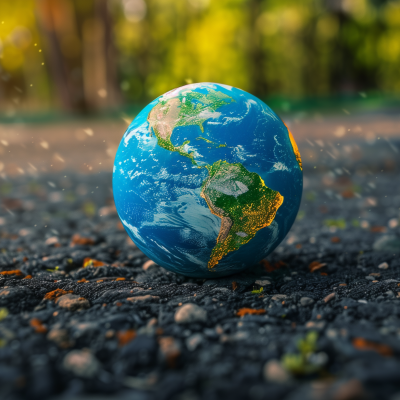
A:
x,y
207,180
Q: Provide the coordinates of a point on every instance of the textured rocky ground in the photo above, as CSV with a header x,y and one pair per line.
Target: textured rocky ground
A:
x,y
84,314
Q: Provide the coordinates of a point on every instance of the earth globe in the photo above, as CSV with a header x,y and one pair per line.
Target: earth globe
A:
x,y
207,180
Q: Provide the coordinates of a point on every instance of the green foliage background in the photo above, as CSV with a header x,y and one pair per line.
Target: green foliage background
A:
x,y
286,48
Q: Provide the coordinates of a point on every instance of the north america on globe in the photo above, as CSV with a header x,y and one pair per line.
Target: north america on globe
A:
x,y
207,180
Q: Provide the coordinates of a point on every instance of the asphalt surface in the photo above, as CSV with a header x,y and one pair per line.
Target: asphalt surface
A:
x,y
85,315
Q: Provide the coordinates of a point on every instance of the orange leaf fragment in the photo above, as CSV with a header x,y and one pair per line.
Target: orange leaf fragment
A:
x,y
335,239
77,239
124,337
364,344
15,272
234,285
315,265
82,280
120,279
55,294
37,325
347,194
253,311
91,262
378,229
271,268
170,349
28,277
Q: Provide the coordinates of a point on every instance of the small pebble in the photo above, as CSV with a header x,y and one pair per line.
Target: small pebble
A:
x,y
82,363
192,342
306,301
279,297
262,282
384,265
328,298
72,302
274,372
143,299
189,313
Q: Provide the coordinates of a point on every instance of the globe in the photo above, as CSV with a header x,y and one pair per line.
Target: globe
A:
x,y
207,180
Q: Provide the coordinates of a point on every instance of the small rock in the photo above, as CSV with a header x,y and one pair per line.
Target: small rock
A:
x,y
387,243
85,329
170,350
319,359
315,325
287,278
306,301
352,389
142,299
51,241
370,278
274,372
328,298
189,313
148,265
59,336
210,282
263,282
384,265
279,297
82,363
192,342
4,292
72,302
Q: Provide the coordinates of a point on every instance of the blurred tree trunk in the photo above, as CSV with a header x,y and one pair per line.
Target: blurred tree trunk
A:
x,y
256,53
80,53
57,67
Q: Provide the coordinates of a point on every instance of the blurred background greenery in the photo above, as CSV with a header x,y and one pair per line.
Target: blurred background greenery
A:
x,y
93,56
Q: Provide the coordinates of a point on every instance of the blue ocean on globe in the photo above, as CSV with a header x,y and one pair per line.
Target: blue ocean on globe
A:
x,y
207,180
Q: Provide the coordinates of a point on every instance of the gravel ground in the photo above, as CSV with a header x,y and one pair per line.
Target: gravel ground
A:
x,y
85,315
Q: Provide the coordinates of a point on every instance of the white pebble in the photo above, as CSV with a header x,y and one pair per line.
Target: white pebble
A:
x,y
189,313
384,265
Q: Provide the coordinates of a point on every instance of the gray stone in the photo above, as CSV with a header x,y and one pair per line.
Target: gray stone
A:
x,y
81,363
189,313
72,302
274,372
384,265
263,282
387,243
192,342
306,301
142,299
279,297
210,282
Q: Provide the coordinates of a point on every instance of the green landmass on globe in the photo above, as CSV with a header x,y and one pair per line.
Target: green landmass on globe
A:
x,y
237,196
242,201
